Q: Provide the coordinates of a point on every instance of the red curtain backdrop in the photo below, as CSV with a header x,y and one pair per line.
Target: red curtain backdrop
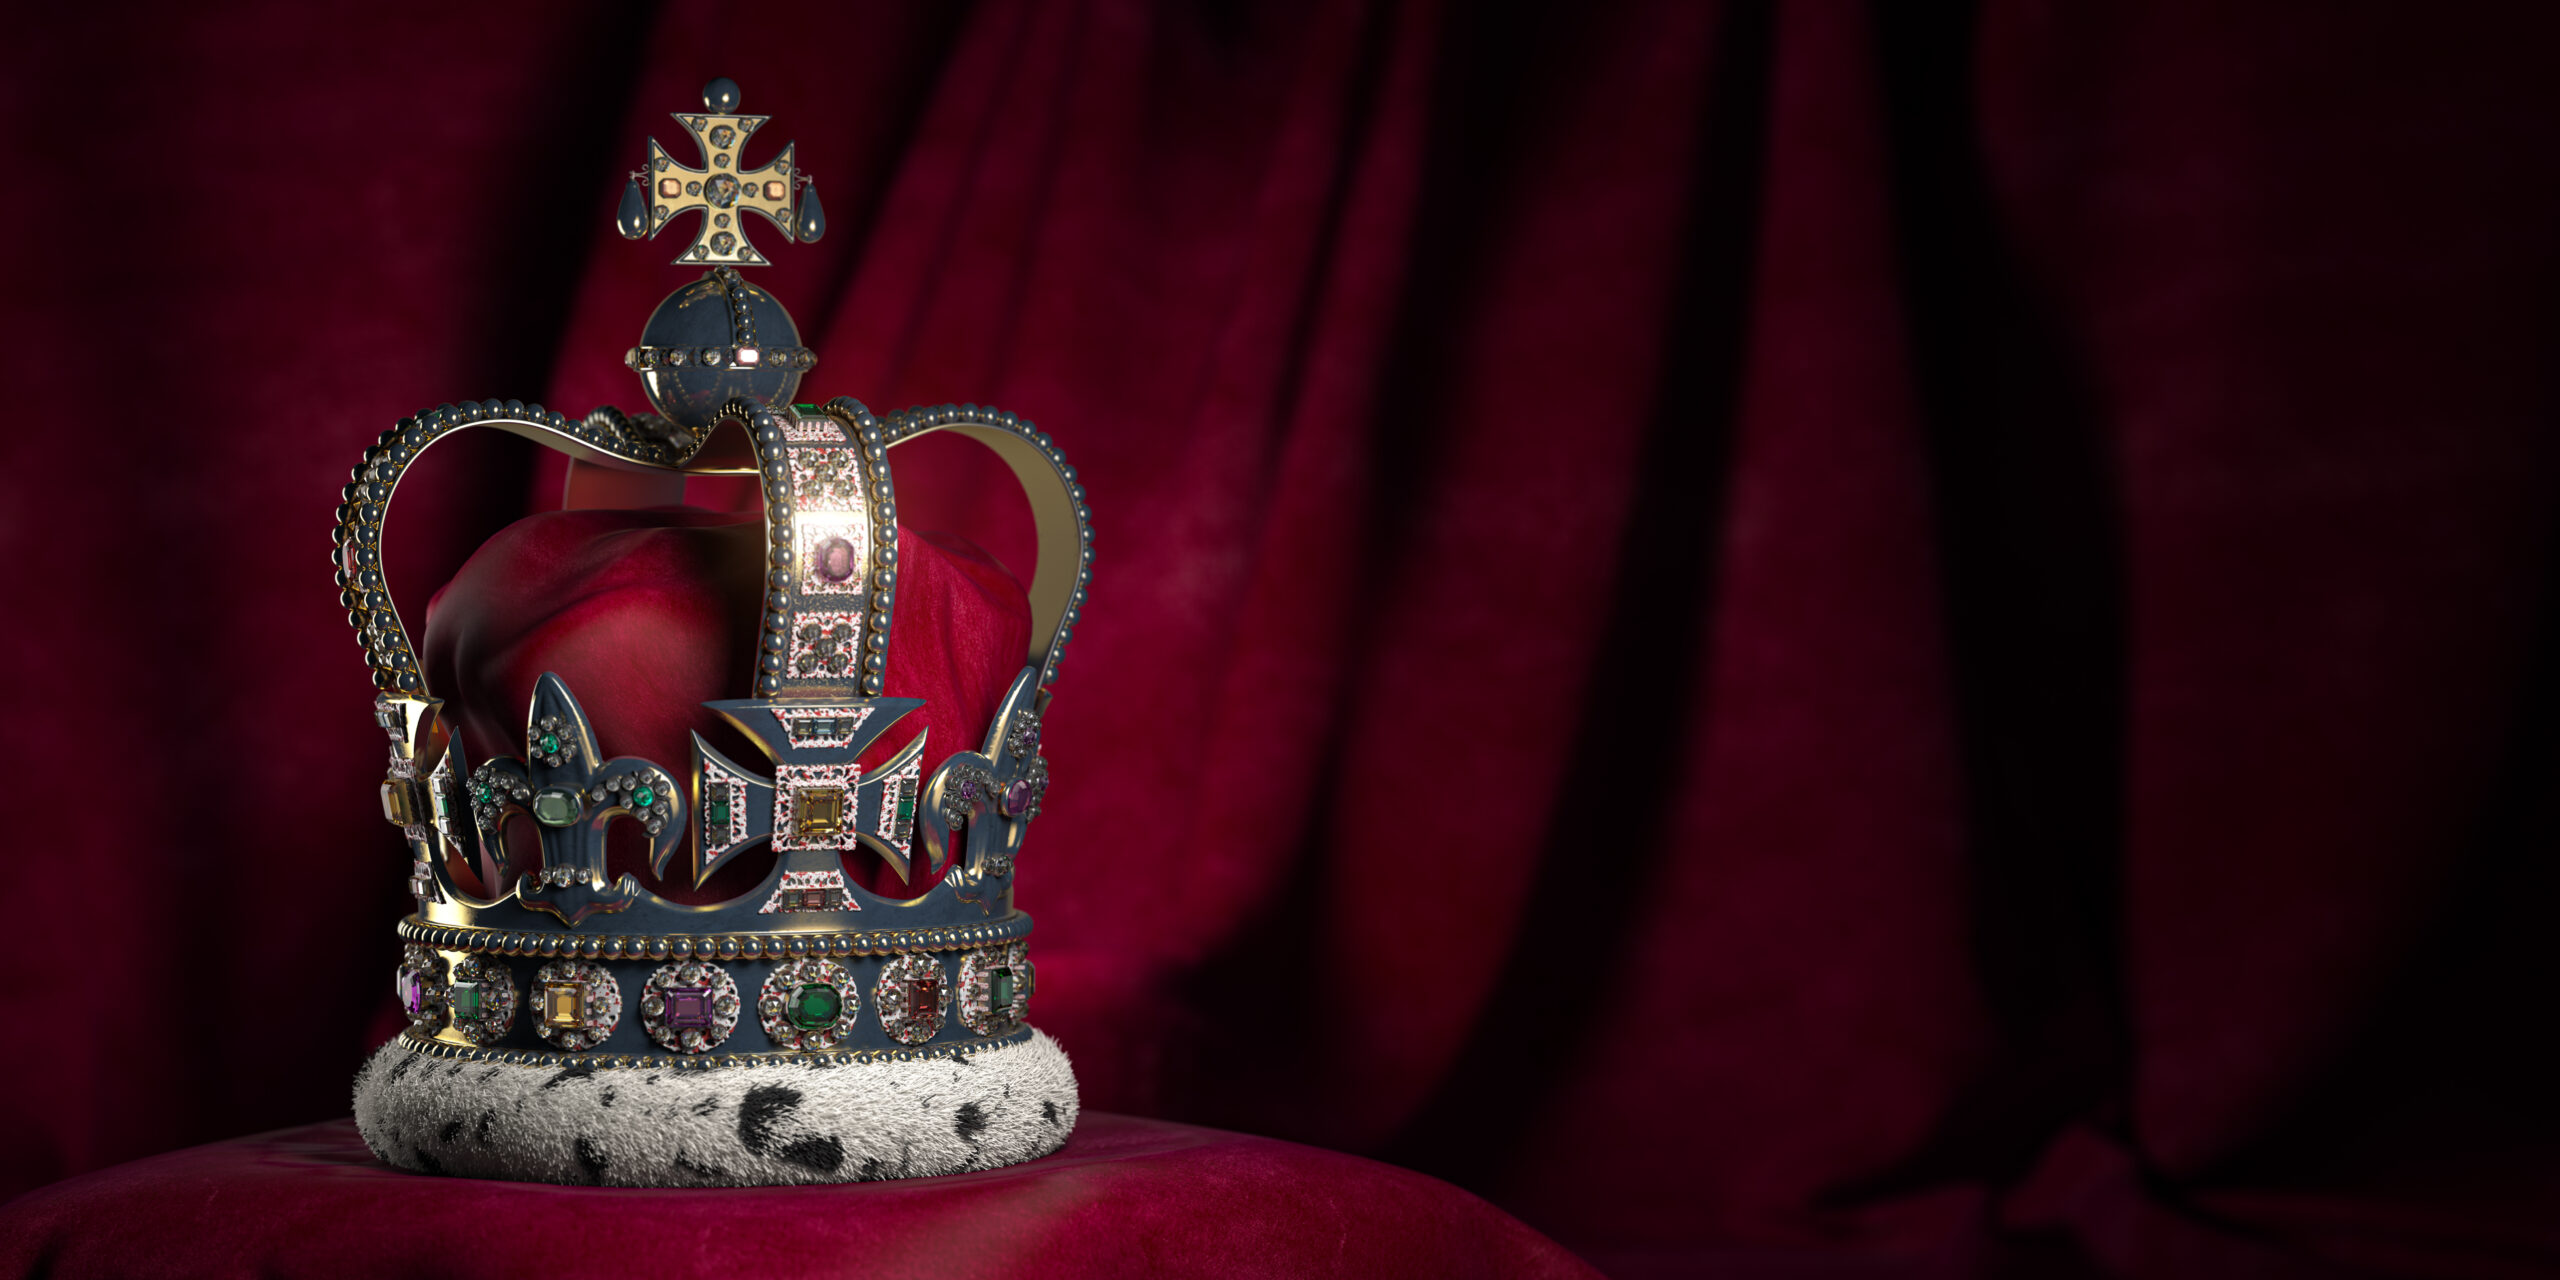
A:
x,y
1913,636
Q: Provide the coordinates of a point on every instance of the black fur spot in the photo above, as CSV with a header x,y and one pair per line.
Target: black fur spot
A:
x,y
1049,1111
711,1171
454,1070
970,1122
818,1155
871,1169
427,1162
590,1159
488,1075
605,1099
765,1106
706,1106
451,1132
480,1131
574,1071
401,1066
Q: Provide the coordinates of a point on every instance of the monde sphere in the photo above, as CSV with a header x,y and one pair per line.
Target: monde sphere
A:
x,y
714,340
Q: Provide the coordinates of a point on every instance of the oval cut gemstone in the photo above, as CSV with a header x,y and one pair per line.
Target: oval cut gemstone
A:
x,y
554,807
644,798
1017,797
815,1005
833,560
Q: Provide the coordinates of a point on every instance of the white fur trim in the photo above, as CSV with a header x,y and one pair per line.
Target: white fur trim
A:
x,y
727,1127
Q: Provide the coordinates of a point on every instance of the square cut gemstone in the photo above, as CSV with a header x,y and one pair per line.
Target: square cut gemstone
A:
x,y
924,995
564,1004
689,1008
748,355
1000,992
815,1006
820,812
813,899
466,1000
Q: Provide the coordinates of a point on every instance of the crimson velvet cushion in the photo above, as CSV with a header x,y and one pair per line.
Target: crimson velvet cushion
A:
x,y
1126,1197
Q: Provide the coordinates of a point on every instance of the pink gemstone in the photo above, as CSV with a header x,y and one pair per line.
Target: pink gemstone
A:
x,y
749,355
773,191
833,560
670,188
1018,796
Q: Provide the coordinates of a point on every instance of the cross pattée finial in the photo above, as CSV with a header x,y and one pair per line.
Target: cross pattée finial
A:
x,y
723,190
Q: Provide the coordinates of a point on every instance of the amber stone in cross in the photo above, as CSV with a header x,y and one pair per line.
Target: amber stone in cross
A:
x,y
723,191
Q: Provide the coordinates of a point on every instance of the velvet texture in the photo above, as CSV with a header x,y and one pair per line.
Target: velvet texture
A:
x,y
1907,639
1132,1197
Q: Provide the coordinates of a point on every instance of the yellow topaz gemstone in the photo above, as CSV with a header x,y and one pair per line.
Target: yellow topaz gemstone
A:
x,y
564,1004
820,812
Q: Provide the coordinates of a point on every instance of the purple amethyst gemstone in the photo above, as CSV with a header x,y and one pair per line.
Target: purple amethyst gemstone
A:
x,y
832,560
1017,798
689,1008
412,986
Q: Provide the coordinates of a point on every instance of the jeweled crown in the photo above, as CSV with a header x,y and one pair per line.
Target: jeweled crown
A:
x,y
566,965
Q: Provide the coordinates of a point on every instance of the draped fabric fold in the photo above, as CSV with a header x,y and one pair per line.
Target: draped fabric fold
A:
x,y
1763,632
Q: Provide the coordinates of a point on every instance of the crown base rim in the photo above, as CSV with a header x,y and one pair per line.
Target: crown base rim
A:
x,y
738,1126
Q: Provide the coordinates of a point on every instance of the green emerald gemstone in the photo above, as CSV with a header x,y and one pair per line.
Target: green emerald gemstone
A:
x,y
551,744
643,798
466,999
906,811
485,795
553,807
815,1006
1000,992
717,813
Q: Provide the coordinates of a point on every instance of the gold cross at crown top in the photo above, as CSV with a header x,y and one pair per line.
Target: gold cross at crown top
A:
x,y
724,190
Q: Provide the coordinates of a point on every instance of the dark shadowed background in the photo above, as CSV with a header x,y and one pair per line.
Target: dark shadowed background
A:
x,y
1882,638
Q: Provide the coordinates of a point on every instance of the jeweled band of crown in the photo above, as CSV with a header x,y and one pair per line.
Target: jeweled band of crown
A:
x,y
563,965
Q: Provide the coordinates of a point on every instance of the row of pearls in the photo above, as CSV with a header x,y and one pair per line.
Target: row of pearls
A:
x,y
355,552
743,946
711,1061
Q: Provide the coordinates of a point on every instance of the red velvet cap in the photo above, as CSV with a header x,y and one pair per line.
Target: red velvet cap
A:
x,y
649,614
